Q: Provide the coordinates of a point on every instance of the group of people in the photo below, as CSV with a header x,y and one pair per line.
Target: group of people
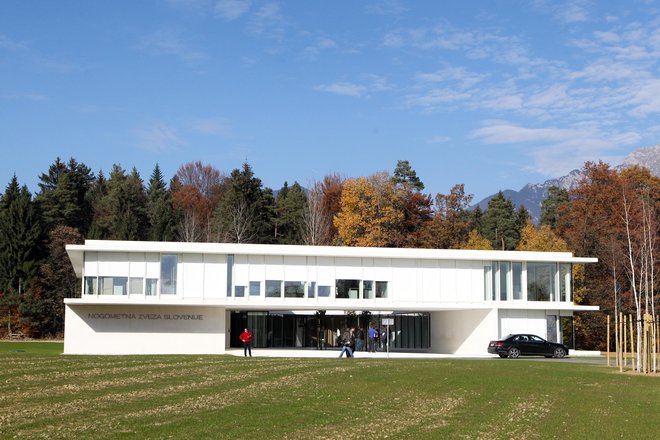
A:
x,y
353,339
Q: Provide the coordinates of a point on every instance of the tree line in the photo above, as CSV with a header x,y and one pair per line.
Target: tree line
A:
x,y
203,204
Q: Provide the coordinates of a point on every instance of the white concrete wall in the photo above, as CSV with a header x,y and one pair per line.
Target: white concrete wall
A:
x,y
522,321
464,332
122,329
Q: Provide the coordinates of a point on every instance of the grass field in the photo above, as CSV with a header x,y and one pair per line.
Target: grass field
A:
x,y
44,394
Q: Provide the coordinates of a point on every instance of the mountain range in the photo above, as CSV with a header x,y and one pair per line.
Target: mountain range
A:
x,y
532,195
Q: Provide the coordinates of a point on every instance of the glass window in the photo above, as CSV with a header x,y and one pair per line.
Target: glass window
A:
x,y
565,282
151,287
368,289
294,289
273,288
230,272
347,289
136,286
505,267
488,283
114,285
541,281
90,285
324,291
239,291
168,274
517,280
255,288
496,284
381,289
311,287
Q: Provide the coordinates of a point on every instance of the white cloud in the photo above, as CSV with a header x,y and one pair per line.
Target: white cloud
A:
x,y
385,7
8,44
438,139
158,138
555,151
342,88
218,126
167,42
232,9
26,96
268,20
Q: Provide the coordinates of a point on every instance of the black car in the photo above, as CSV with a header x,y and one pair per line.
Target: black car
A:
x,y
522,345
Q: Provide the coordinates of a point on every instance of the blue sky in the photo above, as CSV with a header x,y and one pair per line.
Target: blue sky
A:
x,y
492,94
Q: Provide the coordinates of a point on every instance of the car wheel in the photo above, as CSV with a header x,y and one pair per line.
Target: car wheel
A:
x,y
502,355
559,352
514,353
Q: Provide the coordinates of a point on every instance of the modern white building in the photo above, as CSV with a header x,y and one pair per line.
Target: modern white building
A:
x,y
162,297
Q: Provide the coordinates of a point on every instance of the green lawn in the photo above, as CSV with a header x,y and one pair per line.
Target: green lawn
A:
x,y
44,394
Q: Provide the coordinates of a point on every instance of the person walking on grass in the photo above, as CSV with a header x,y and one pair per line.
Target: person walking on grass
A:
x,y
246,338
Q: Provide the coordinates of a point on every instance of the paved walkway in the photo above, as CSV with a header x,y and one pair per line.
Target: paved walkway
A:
x,y
334,352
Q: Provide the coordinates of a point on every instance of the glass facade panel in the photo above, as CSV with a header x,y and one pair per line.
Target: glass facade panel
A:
x,y
151,287
255,288
541,281
113,285
516,278
239,291
495,283
136,286
90,285
347,289
294,289
367,289
505,267
567,331
551,321
311,288
565,282
230,273
273,288
381,289
168,265
324,291
488,283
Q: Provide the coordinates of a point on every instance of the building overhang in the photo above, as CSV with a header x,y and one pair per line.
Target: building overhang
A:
x,y
76,252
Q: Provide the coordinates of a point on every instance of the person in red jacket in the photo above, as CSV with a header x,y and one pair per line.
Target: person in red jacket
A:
x,y
246,337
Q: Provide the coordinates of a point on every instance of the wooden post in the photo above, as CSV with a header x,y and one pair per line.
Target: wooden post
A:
x,y
616,340
632,343
625,341
621,327
608,340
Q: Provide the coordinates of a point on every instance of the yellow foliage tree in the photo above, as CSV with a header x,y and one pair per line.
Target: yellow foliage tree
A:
x,y
477,242
542,239
370,213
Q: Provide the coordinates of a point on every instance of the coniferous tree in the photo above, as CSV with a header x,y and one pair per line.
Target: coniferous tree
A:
x,y
64,197
499,223
100,226
551,206
20,237
290,208
404,174
245,214
160,211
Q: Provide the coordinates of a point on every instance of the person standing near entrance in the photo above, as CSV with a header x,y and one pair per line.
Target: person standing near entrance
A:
x,y
373,335
246,338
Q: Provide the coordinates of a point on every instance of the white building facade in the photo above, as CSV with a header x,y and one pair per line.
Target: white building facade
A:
x,y
195,298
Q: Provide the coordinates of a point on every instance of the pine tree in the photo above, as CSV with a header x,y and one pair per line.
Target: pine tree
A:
x,y
64,197
160,211
20,237
245,213
551,206
499,223
290,208
405,175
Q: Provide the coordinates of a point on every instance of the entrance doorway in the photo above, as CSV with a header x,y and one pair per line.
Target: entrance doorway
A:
x,y
321,330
